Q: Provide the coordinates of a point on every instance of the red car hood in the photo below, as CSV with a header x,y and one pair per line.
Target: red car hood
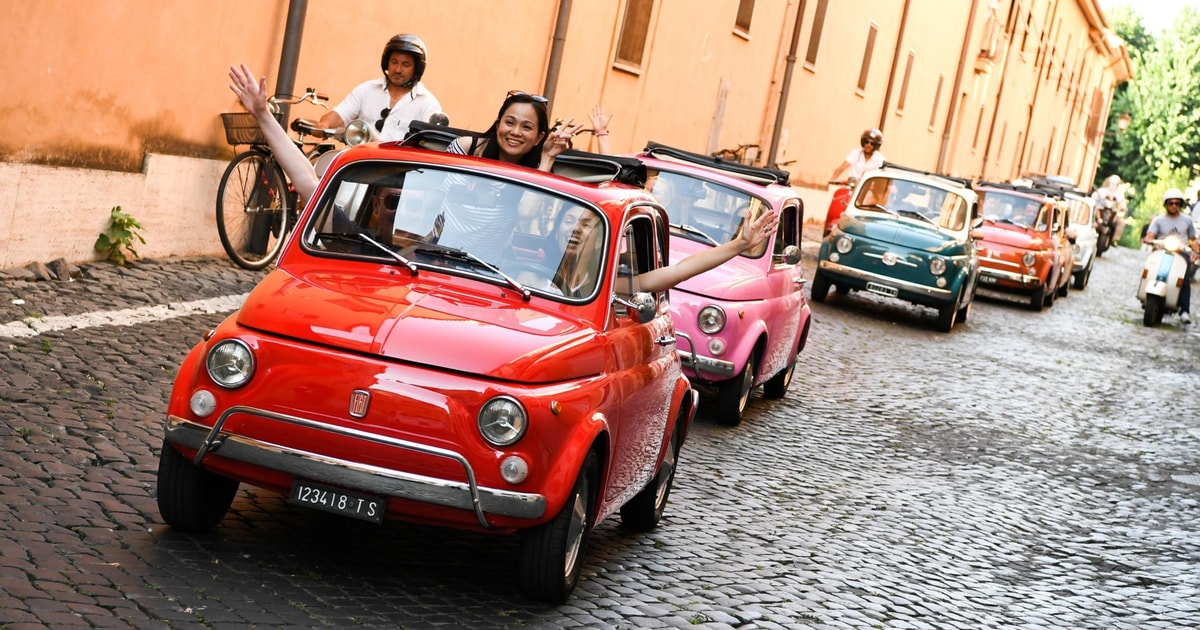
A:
x,y
1012,236
739,279
428,324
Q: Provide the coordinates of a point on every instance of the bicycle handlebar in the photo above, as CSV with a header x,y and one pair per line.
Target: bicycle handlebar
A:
x,y
310,94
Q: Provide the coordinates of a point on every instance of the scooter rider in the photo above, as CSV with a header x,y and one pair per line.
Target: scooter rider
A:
x,y
390,103
1175,222
1110,192
863,159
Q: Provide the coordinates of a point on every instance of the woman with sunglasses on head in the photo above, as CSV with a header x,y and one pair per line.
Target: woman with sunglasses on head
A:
x,y
390,103
864,158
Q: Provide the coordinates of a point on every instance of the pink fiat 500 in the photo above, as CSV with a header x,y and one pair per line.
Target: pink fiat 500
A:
x,y
397,365
742,324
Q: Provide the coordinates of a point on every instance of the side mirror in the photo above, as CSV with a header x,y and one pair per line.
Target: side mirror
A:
x,y
791,255
641,307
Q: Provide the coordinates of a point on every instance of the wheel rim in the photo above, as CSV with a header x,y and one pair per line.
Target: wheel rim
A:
x,y
576,531
664,477
747,384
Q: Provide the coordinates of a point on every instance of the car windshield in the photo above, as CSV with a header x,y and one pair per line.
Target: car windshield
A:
x,y
428,218
705,211
1003,207
913,200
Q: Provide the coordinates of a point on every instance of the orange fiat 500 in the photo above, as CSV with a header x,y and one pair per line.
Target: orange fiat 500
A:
x,y
1023,244
453,341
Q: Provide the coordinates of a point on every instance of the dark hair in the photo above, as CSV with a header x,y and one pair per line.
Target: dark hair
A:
x,y
491,147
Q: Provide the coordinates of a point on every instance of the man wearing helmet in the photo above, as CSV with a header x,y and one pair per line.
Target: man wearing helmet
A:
x,y
390,103
863,159
1175,222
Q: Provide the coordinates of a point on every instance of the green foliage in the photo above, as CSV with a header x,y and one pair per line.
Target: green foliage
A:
x,y
117,243
1145,207
1161,147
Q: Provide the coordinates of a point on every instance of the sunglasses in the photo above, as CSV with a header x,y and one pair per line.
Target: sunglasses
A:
x,y
537,98
382,117
1173,202
390,201
873,143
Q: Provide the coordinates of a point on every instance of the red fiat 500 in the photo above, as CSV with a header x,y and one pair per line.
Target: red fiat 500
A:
x,y
447,340
1023,248
744,322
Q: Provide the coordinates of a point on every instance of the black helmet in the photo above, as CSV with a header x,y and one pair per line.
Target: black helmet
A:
x,y
874,135
410,44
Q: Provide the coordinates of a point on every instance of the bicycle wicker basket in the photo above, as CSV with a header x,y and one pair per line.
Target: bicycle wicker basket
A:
x,y
242,128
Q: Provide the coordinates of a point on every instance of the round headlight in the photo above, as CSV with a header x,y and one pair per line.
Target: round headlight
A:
x,y
357,133
711,319
844,244
230,363
1172,244
1028,259
502,421
937,266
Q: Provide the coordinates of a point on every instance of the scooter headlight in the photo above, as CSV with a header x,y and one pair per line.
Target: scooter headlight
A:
x,y
357,133
1173,244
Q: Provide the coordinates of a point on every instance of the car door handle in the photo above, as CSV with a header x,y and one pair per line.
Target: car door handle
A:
x,y
800,281
665,340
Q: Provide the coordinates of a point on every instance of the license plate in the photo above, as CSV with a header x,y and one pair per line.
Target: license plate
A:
x,y
337,500
881,289
987,279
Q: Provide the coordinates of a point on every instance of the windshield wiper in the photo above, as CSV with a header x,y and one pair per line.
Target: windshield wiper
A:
x,y
467,257
875,206
359,237
695,231
917,214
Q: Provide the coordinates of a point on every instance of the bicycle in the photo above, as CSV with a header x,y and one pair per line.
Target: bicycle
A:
x,y
743,154
256,202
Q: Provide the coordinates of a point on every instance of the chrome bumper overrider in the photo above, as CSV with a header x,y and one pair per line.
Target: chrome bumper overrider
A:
x,y
903,285
382,481
702,365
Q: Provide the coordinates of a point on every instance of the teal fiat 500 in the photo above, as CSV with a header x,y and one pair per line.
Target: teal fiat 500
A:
x,y
907,235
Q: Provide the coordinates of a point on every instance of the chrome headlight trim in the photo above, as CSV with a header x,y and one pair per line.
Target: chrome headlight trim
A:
x,y
502,421
937,266
230,363
711,319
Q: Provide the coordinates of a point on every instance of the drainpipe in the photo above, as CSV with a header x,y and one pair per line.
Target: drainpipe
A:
x,y
787,85
289,57
554,65
962,64
887,95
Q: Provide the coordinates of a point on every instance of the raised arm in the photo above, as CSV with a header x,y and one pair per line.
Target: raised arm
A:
x,y
600,122
558,142
664,278
253,95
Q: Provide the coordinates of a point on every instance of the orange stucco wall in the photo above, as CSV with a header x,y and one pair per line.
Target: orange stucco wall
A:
x,y
115,102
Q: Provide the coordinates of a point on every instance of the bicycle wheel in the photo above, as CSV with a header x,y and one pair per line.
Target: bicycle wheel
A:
x,y
253,217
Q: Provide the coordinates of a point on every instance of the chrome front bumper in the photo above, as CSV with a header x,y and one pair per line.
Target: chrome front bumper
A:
x,y
381,481
903,285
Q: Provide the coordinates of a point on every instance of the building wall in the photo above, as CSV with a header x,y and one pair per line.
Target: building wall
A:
x,y
116,102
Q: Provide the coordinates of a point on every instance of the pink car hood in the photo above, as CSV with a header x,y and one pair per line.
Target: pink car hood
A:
x,y
424,323
737,280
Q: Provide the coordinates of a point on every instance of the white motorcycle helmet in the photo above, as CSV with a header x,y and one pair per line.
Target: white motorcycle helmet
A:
x,y
1174,193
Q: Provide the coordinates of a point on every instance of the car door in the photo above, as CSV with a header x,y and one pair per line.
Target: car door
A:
x,y
645,366
786,289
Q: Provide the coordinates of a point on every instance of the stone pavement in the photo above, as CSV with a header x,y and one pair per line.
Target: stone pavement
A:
x,y
1028,470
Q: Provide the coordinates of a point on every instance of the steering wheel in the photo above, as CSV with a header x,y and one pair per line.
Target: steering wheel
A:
x,y
542,276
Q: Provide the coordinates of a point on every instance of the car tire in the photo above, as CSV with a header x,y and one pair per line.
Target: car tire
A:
x,y
1152,312
1048,296
777,386
733,395
1081,278
1037,299
552,553
1065,289
191,499
965,311
820,286
947,316
645,510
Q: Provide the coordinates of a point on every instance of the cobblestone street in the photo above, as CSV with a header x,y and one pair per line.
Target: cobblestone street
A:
x,y
1028,470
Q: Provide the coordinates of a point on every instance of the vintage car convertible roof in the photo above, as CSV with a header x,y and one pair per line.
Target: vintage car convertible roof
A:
x,y
755,174
581,166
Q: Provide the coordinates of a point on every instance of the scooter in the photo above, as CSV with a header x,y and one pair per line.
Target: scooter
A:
x,y
837,205
1163,276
